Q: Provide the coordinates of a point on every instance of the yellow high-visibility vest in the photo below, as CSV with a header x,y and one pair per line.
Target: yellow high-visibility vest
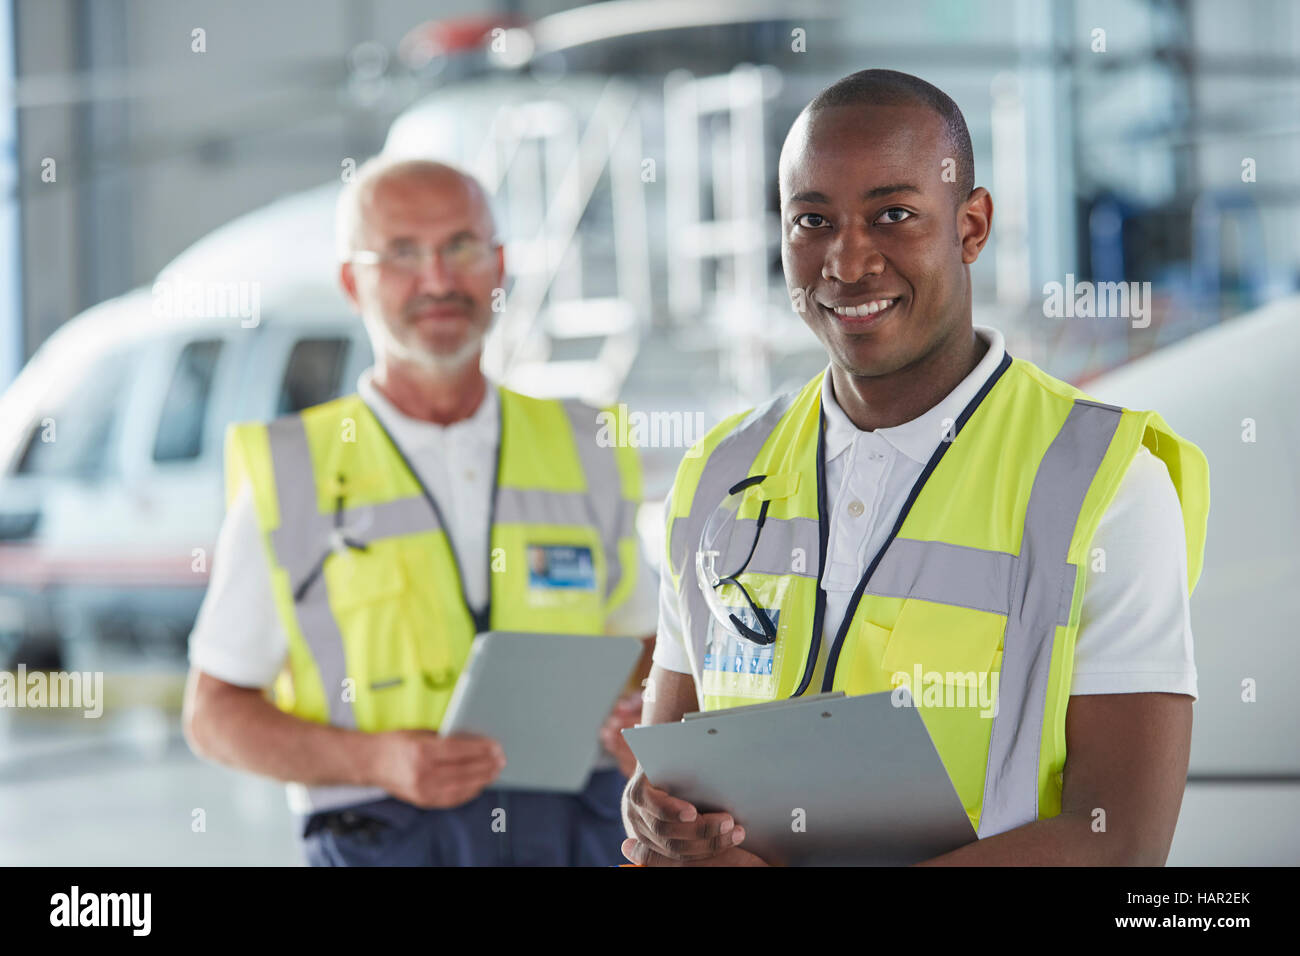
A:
x,y
981,582
363,573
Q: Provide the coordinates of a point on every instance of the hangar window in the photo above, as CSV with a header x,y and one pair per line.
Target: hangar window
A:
x,y
185,410
313,374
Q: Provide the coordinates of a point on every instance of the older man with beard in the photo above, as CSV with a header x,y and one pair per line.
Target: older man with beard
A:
x,y
394,525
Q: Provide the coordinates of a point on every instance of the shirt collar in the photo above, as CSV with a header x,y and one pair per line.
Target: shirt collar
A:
x,y
482,424
918,438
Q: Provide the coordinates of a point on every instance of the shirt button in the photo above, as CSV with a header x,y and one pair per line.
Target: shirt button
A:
x,y
876,456
855,508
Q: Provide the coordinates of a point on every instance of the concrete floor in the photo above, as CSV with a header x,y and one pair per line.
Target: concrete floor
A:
x,y
122,790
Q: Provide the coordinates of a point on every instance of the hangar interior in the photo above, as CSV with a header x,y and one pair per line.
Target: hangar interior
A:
x,y
168,267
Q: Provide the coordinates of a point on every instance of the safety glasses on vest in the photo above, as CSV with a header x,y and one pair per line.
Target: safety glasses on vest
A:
x,y
724,538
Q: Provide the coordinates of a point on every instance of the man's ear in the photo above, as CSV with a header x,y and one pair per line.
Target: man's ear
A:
x,y
348,282
974,223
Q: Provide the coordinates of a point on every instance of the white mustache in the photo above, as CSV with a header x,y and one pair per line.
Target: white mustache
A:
x,y
421,304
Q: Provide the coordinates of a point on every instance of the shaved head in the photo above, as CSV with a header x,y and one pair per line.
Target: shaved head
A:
x,y
358,196
874,88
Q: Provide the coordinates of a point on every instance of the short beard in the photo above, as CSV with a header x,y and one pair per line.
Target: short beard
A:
x,y
383,340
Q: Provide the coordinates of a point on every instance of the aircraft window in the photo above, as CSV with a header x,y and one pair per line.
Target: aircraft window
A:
x,y
180,431
313,374
73,440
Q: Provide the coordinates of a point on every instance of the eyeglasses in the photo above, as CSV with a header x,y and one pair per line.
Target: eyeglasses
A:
x,y
460,255
724,534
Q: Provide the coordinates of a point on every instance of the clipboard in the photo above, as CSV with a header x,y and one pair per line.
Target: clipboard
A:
x,y
543,697
826,780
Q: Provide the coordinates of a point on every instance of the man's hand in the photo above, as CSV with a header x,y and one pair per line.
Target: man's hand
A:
x,y
626,713
429,770
671,828
639,853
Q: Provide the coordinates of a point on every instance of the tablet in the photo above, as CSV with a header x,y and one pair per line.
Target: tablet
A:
x,y
827,780
543,697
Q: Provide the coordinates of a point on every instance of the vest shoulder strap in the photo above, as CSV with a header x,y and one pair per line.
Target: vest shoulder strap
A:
x,y
1187,465
247,457
1188,470
720,459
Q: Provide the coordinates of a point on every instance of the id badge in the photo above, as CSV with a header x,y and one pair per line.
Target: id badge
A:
x,y
561,567
734,667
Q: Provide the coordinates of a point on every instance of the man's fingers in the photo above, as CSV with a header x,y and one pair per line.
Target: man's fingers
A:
x,y
470,771
620,720
634,851
674,828
664,806
644,855
710,834
459,749
689,850
707,827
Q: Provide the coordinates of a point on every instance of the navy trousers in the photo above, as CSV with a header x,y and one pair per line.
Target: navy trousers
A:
x,y
497,828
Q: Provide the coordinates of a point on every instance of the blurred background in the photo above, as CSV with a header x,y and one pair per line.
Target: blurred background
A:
x,y
169,171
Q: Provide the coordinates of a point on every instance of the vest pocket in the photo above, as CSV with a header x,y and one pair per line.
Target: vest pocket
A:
x,y
949,658
394,634
942,644
359,578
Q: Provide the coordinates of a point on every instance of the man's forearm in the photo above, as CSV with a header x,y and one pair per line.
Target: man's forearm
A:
x,y
636,680
258,737
1067,839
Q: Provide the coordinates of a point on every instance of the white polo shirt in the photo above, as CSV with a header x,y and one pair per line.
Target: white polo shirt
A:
x,y
237,636
1135,630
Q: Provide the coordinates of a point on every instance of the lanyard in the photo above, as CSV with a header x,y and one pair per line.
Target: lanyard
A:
x,y
823,521
480,616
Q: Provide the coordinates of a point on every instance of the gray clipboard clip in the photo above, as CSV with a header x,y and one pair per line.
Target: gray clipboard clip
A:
x,y
826,780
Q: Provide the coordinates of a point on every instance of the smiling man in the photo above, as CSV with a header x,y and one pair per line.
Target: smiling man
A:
x,y
934,506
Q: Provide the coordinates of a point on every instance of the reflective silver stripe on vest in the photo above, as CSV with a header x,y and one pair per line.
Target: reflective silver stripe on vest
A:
x,y
949,574
1043,582
531,506
614,516
300,545
300,542
729,462
782,544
